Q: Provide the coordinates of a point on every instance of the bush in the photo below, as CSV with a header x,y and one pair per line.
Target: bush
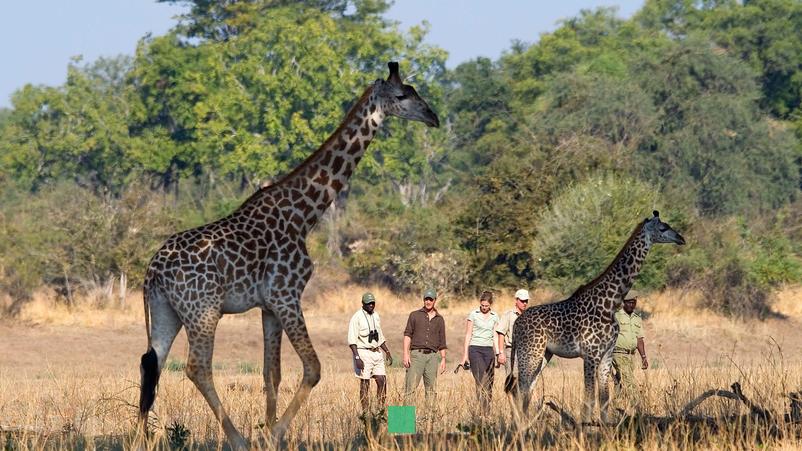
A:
x,y
75,239
407,250
586,226
736,265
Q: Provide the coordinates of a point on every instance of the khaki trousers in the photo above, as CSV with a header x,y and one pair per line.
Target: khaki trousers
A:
x,y
422,366
625,377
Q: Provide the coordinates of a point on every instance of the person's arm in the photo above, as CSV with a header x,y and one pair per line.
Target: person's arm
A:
x,y
407,341
468,333
353,333
642,352
383,340
496,349
387,352
501,332
443,346
360,365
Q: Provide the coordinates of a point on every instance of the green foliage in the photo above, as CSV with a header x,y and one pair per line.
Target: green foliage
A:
x,y
765,34
174,366
70,237
256,106
586,226
712,140
76,131
248,368
548,157
737,265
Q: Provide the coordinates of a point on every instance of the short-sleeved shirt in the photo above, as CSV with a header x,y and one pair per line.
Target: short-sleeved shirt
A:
x,y
505,323
426,333
483,328
630,329
360,326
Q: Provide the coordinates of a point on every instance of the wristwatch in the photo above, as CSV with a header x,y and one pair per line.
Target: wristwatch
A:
x,y
356,357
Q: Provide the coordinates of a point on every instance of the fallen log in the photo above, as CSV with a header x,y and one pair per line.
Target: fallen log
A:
x,y
757,415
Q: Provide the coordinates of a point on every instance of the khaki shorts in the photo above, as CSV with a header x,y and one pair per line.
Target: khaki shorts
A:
x,y
373,364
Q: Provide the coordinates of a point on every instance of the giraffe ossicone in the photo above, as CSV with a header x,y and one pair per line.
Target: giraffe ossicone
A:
x,y
256,257
584,325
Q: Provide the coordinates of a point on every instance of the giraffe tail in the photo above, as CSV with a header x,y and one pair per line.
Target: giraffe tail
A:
x,y
149,370
509,383
147,313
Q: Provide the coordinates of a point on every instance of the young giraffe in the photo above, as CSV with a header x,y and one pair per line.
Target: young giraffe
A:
x,y
583,325
257,257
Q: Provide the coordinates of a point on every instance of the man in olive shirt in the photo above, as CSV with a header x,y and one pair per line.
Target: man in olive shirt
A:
x,y
504,328
630,338
424,349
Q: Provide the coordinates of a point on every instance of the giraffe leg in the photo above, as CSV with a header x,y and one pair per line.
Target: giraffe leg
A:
x,y
590,366
164,326
199,370
292,321
604,388
530,364
272,367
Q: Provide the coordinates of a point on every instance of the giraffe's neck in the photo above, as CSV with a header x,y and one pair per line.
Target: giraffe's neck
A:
x,y
609,288
314,185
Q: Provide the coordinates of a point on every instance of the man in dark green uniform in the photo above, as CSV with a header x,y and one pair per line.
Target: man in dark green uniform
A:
x,y
630,338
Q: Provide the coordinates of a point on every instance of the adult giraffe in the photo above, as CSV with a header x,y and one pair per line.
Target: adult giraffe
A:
x,y
583,325
257,257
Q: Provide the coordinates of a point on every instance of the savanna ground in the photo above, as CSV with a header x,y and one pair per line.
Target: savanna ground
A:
x,y
69,379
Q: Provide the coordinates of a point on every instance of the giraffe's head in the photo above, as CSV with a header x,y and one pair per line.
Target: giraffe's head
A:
x,y
398,99
660,232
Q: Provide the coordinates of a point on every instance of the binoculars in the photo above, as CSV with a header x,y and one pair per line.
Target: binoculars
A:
x,y
373,335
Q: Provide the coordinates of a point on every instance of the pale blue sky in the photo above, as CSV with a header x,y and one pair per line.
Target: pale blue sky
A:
x,y
38,37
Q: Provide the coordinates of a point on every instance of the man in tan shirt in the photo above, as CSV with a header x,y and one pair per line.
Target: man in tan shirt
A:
x,y
504,329
424,349
366,340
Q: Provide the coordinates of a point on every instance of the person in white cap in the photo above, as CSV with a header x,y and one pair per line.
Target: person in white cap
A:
x,y
504,329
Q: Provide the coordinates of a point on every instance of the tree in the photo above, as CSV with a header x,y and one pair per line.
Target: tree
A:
x,y
78,131
712,140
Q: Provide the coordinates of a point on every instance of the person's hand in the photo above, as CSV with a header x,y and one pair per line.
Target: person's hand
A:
x,y
645,363
464,360
502,359
406,360
442,365
360,365
389,359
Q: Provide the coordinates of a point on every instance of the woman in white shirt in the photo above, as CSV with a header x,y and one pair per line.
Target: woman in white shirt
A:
x,y
480,348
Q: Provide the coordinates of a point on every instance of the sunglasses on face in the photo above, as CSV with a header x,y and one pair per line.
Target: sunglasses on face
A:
x,y
522,301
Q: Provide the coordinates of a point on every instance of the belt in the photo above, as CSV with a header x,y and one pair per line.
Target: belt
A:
x,y
623,351
508,347
371,349
425,351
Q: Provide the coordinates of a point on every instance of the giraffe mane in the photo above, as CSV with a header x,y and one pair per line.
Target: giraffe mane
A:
x,y
609,268
345,122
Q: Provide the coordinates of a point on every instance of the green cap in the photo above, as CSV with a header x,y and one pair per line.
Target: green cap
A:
x,y
367,298
430,293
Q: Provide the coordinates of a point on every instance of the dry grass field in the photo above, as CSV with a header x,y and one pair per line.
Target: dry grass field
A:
x,y
69,379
